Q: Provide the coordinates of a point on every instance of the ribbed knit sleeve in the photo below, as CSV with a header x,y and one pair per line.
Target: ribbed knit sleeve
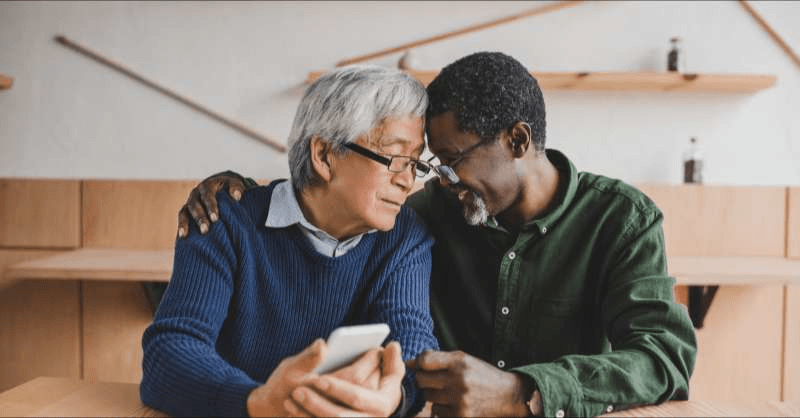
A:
x,y
403,301
183,374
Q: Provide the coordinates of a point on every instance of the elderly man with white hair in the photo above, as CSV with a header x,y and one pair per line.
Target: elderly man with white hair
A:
x,y
238,331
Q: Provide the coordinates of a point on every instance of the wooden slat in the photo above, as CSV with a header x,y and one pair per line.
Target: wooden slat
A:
x,y
138,214
39,213
39,331
721,220
793,223
690,270
98,264
642,81
740,346
745,407
791,367
115,317
59,397
47,396
6,82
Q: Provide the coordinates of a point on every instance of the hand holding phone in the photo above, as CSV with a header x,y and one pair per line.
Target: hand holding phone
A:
x,y
346,344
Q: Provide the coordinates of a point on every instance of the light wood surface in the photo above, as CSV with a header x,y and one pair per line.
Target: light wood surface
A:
x,y
747,221
139,214
738,408
39,213
39,331
791,352
115,316
740,346
695,270
116,264
6,82
793,223
109,264
59,397
638,81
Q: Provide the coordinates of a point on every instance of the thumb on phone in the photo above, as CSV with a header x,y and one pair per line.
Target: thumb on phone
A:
x,y
306,360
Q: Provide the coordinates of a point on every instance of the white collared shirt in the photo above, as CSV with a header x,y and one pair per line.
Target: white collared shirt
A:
x,y
284,211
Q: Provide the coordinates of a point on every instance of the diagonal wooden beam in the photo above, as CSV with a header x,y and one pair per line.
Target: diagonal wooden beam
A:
x,y
774,35
188,102
528,13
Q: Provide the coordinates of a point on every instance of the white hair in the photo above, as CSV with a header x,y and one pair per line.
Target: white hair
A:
x,y
345,104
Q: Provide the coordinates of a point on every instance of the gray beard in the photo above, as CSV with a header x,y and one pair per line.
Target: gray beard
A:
x,y
475,212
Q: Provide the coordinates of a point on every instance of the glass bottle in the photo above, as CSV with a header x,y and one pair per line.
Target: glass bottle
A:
x,y
674,57
693,163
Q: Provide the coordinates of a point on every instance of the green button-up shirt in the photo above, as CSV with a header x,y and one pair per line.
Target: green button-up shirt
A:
x,y
579,300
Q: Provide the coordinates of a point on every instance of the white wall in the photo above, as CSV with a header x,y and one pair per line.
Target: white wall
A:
x,y
68,116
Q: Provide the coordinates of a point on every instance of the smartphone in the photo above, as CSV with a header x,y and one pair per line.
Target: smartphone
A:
x,y
345,344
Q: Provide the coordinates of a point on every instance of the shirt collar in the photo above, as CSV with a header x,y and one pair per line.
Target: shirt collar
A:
x,y
567,187
284,211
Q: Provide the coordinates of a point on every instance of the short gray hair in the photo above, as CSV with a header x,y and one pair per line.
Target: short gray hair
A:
x,y
344,104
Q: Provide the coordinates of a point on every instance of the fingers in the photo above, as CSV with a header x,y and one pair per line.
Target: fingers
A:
x,y
294,409
430,360
392,368
373,381
361,369
317,405
306,360
183,222
236,188
434,380
209,199
197,210
439,410
342,391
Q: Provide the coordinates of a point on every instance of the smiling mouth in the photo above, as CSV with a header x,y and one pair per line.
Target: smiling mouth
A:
x,y
392,203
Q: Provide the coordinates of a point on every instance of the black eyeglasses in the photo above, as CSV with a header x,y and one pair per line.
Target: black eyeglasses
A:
x,y
395,163
448,172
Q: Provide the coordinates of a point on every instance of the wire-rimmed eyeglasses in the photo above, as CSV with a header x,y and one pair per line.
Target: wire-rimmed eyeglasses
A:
x,y
447,171
395,163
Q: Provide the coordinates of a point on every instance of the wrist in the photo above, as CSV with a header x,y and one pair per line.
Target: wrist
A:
x,y
535,407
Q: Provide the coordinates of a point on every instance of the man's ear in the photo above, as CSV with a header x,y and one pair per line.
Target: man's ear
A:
x,y
520,136
321,157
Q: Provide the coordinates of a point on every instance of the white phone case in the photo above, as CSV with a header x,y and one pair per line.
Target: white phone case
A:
x,y
345,344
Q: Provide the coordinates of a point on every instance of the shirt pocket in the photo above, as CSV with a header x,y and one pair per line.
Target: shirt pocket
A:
x,y
557,328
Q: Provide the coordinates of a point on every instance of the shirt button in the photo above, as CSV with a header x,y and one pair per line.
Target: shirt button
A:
x,y
512,255
501,364
505,310
560,413
609,408
544,230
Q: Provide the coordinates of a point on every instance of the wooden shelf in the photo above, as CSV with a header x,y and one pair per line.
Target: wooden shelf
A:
x,y
737,271
6,82
98,264
633,81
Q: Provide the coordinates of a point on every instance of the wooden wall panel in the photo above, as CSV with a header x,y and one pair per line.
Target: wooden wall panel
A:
x,y
739,346
722,220
39,331
9,257
793,224
791,355
39,213
115,316
137,214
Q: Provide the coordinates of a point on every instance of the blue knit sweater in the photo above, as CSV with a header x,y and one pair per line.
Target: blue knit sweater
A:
x,y
244,297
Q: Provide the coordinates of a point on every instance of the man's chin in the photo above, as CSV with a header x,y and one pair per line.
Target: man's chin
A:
x,y
474,209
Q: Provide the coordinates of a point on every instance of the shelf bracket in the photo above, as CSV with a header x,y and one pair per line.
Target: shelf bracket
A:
x,y
700,298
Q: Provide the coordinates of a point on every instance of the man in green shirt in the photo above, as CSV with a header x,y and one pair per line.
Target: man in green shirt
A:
x,y
550,283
